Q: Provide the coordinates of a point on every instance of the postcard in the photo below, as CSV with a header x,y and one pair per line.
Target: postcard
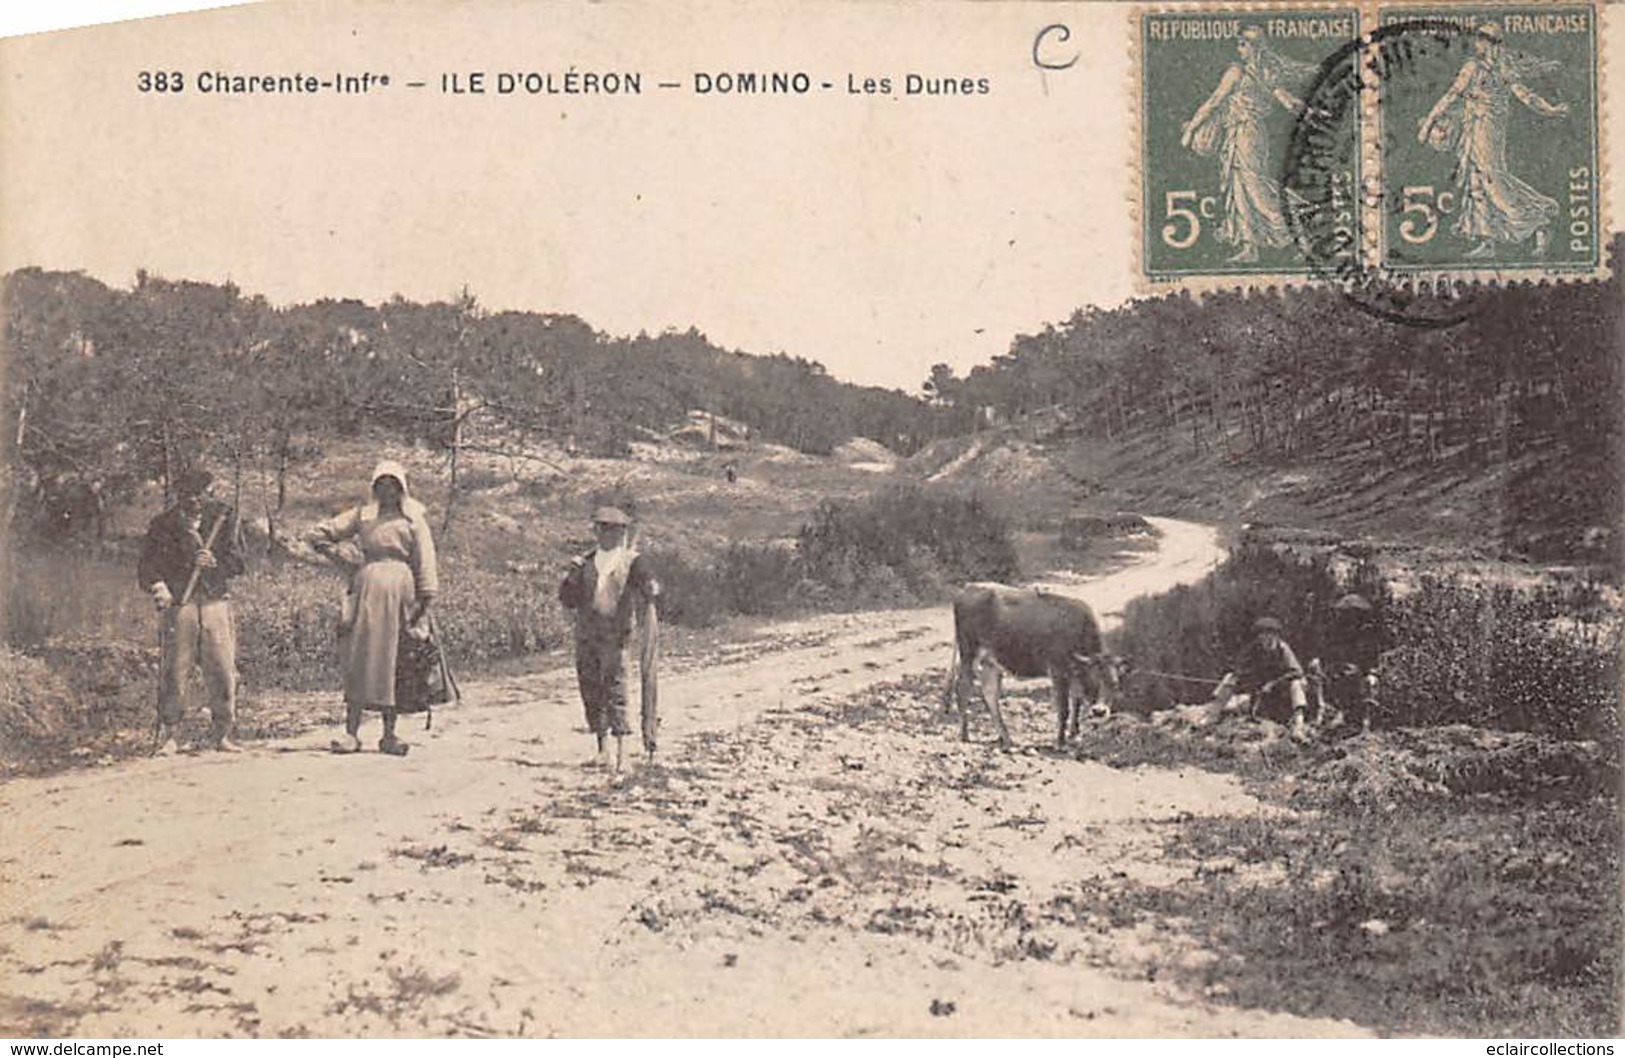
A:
x,y
812,519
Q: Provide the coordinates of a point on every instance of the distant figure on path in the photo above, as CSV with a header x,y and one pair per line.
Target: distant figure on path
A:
x,y
389,597
191,552
609,589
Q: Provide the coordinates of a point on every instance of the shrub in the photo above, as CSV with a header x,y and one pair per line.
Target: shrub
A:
x,y
691,593
1495,656
1176,632
487,615
1543,660
898,548
966,540
287,626
757,579
36,705
1198,631
56,592
753,579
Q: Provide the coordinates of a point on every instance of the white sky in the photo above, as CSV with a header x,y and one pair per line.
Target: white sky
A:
x,y
877,236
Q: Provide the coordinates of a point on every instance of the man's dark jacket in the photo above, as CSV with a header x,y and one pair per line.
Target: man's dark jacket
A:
x,y
171,547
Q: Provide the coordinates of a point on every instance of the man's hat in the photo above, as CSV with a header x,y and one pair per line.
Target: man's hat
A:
x,y
1352,601
610,516
193,481
1266,624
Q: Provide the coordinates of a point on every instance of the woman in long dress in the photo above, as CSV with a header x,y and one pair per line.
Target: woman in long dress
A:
x,y
390,593
1232,124
1470,120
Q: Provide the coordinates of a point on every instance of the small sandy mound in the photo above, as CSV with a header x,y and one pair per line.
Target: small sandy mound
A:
x,y
861,450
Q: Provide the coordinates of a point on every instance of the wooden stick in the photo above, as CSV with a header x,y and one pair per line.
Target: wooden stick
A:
x,y
197,571
163,623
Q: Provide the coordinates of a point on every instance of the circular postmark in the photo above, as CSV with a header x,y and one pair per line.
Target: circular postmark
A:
x,y
1326,144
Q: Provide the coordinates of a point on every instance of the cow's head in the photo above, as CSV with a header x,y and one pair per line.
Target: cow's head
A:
x,y
1098,680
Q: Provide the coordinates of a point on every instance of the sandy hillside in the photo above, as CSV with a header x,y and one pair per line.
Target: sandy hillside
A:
x,y
817,854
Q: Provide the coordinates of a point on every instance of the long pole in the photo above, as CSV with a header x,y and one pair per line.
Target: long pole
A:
x,y
197,571
163,652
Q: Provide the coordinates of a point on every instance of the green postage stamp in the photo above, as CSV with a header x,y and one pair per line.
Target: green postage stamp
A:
x,y
1388,144
1489,124
1224,91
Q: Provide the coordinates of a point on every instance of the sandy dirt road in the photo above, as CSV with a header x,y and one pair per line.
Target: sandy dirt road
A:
x,y
818,854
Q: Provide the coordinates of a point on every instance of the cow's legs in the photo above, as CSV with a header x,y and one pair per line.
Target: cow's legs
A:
x,y
963,676
1065,719
960,680
991,677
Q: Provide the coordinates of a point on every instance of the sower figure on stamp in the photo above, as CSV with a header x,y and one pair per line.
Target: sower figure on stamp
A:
x,y
1232,124
191,552
1470,120
610,589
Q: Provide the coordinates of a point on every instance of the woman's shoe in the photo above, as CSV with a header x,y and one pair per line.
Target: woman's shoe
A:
x,y
393,746
350,744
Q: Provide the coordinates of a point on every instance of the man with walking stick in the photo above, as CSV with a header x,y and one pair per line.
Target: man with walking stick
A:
x,y
190,554
611,590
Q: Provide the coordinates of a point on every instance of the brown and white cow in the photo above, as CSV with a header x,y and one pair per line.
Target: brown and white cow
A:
x,y
1030,633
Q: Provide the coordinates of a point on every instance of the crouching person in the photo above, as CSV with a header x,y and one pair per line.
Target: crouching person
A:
x,y
1269,672
610,589
190,553
1357,636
